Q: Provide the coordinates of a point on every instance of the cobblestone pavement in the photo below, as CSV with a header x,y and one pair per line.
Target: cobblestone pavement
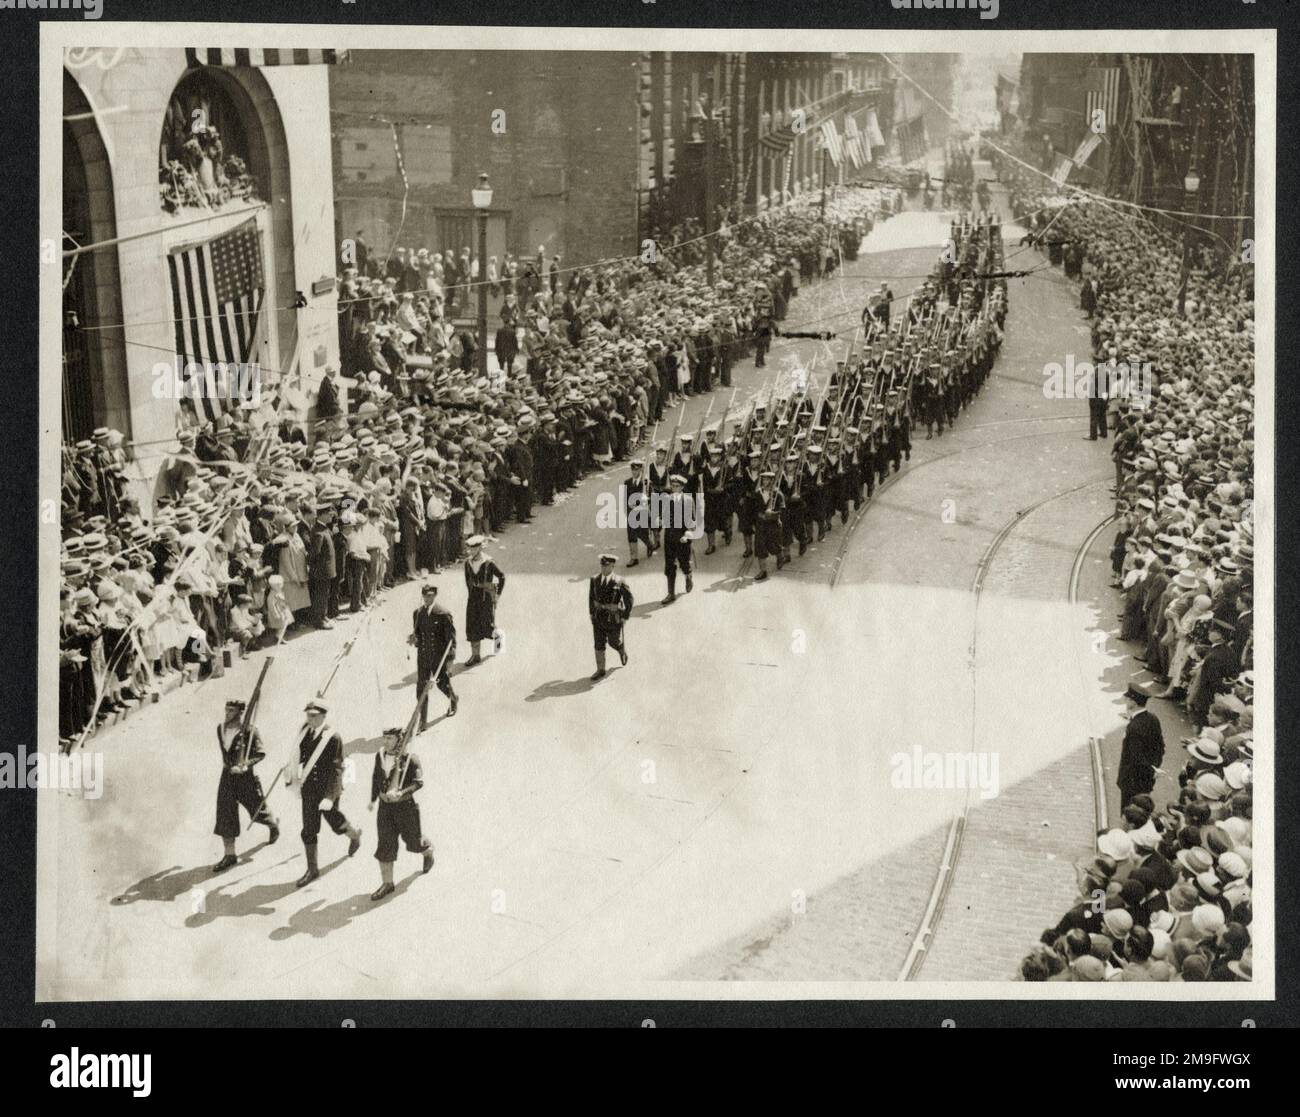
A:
x,y
720,809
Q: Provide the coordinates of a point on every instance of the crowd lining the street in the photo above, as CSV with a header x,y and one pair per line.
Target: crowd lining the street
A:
x,y
261,524
1167,896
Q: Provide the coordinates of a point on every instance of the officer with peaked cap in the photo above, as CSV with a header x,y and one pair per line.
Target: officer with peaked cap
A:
x,y
609,604
317,773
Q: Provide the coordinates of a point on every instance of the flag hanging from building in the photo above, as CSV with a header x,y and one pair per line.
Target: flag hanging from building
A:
x,y
1102,93
262,56
875,137
831,142
777,142
853,141
217,290
1061,171
1085,149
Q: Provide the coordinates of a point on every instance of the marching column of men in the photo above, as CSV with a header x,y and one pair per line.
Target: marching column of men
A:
x,y
785,472
795,463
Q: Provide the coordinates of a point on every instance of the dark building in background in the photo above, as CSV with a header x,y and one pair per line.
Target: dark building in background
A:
x,y
588,154
920,122
555,131
758,157
1167,120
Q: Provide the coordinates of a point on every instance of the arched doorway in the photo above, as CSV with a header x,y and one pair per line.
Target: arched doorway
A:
x,y
94,359
248,163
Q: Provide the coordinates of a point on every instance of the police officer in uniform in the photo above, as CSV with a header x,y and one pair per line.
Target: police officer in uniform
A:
x,y
393,784
318,773
609,603
434,630
239,785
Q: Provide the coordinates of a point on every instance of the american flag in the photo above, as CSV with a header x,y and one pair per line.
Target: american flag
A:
x,y
853,141
778,141
217,290
1085,149
831,140
1102,93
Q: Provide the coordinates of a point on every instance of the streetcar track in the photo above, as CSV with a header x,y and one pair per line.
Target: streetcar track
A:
x,y
888,482
931,918
1100,813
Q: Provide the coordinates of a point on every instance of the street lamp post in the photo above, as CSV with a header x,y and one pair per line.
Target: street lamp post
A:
x,y
1191,186
481,196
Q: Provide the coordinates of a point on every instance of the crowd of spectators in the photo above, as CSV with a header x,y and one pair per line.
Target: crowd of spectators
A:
x,y
1167,897
265,523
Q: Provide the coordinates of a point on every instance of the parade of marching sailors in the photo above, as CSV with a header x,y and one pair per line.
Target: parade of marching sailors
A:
x,y
799,527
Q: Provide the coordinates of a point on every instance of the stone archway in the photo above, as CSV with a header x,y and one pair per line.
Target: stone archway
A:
x,y
247,93
94,389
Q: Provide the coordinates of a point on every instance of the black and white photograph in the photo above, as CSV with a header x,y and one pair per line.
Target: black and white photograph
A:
x,y
710,515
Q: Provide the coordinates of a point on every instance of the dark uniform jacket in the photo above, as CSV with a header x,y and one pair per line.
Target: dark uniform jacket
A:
x,y
605,591
434,629
412,780
232,749
325,780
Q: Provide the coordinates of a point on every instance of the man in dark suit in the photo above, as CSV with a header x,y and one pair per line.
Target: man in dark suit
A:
x,y
317,771
321,568
609,603
519,460
1219,666
1142,751
434,637
327,395
1098,397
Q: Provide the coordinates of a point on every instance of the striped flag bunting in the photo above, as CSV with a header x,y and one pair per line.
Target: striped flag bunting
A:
x,y
217,290
853,141
263,56
875,137
777,142
831,140
1085,149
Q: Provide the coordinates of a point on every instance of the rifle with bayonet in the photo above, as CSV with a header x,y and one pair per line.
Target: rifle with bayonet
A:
x,y
250,711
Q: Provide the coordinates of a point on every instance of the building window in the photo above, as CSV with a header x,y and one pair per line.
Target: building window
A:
x,y
202,154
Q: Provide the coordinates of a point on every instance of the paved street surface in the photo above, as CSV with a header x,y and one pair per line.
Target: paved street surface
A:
x,y
722,808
